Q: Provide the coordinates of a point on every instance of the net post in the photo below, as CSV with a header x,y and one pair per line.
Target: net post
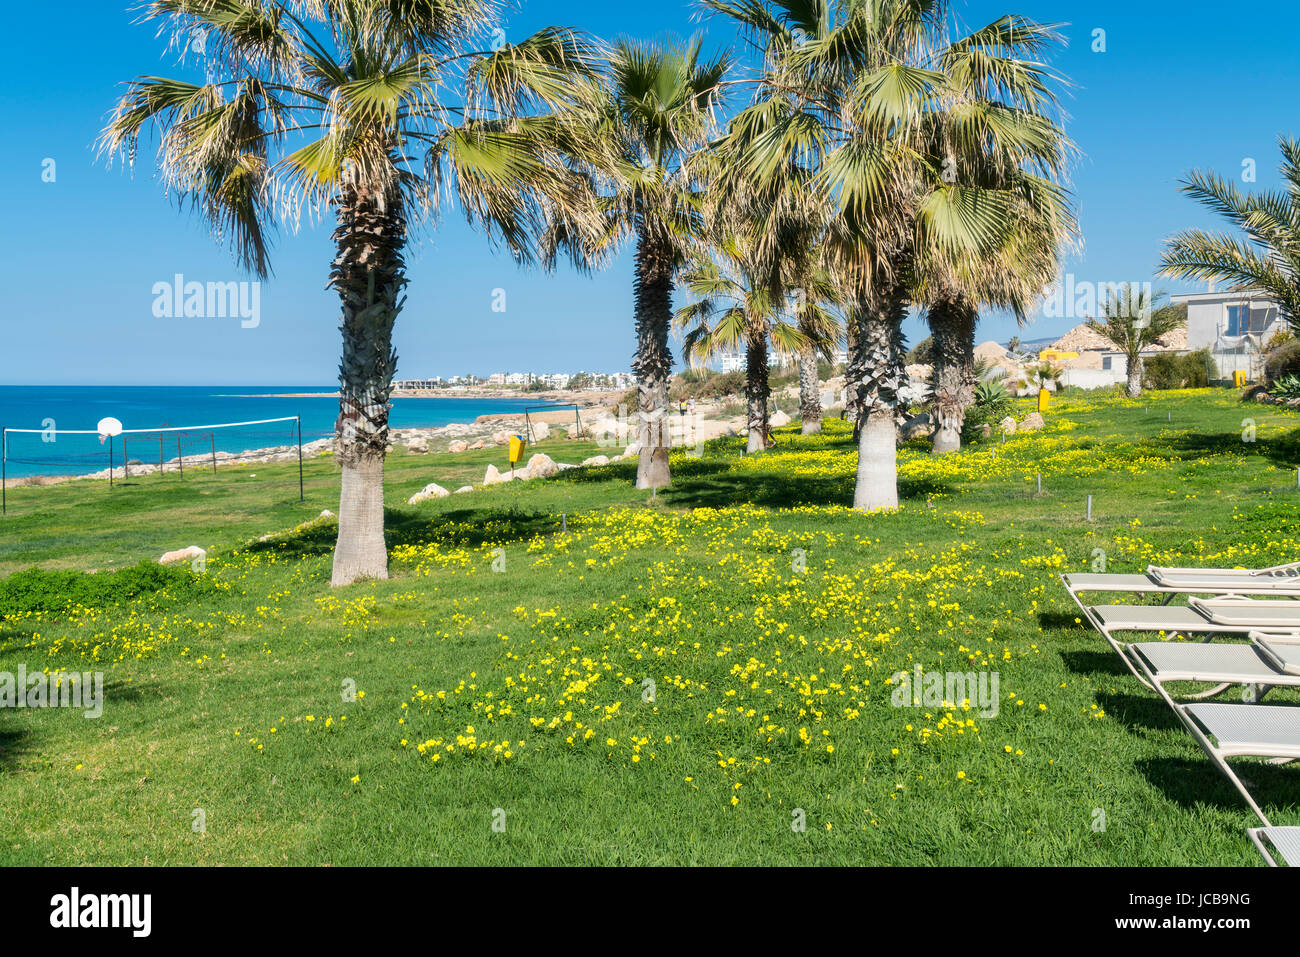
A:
x,y
180,457
214,453
110,461
301,495
126,468
4,477
160,455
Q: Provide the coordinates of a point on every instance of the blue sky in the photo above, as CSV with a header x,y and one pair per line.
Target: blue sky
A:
x,y
1181,85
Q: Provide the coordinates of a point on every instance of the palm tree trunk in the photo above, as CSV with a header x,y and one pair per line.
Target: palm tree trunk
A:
x,y
757,392
952,327
810,399
369,274
653,364
1135,369
875,364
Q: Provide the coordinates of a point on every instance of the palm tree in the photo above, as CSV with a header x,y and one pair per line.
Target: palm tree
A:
x,y
642,139
347,106
1132,323
740,303
1010,277
816,301
1269,259
849,90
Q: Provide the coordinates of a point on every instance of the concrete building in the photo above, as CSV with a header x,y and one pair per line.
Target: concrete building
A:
x,y
1234,325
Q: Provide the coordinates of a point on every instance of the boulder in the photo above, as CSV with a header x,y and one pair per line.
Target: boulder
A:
x,y
1033,423
541,431
432,490
418,446
917,426
463,489
596,460
778,419
630,450
501,437
492,476
480,444
1008,425
458,445
191,554
327,514
541,466
986,430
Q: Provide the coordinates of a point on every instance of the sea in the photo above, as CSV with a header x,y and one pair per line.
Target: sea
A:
x,y
55,412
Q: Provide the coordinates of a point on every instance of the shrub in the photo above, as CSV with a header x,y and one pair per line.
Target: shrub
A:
x,y
1287,387
38,590
1195,370
992,405
1282,361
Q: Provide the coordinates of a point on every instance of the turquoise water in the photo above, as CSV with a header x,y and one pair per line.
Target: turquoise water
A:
x,y
156,407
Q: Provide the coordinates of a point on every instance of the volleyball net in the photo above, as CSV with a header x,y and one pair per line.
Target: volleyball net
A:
x,y
30,456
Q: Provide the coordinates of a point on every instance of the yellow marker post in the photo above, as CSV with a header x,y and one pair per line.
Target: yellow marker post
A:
x,y
1044,397
517,445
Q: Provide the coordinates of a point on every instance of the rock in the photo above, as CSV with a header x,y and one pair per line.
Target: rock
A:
x,y
541,466
918,426
418,446
492,476
190,554
630,450
564,466
458,445
501,437
1008,425
1033,423
986,430
596,460
480,444
540,431
778,419
463,489
326,514
432,490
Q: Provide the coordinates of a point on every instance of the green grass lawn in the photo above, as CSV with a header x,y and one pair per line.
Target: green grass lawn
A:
x,y
675,679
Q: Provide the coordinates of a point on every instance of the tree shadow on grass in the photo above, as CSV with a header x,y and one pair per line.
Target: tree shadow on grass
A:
x,y
15,744
1197,782
1282,451
468,527
1094,662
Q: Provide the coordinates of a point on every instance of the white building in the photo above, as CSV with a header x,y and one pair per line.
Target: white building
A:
x,y
1233,325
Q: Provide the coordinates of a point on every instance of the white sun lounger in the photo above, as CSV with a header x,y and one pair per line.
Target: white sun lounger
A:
x,y
1281,580
1198,617
1240,730
1222,665
1285,842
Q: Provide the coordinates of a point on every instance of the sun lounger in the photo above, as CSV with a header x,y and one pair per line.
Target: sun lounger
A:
x,y
1281,580
1241,730
1284,841
1222,665
1207,618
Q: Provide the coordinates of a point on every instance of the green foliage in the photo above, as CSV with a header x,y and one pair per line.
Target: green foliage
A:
x,y
1283,361
709,385
993,403
922,353
49,592
1287,387
1195,370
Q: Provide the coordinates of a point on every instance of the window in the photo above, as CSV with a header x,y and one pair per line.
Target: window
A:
x,y
1247,319
1106,362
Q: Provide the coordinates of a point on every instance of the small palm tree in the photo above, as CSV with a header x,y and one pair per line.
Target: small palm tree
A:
x,y
348,106
1269,259
1131,322
642,136
740,303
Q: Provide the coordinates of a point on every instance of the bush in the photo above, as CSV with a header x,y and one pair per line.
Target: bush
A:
x,y
708,385
1195,370
1282,361
992,405
36,590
